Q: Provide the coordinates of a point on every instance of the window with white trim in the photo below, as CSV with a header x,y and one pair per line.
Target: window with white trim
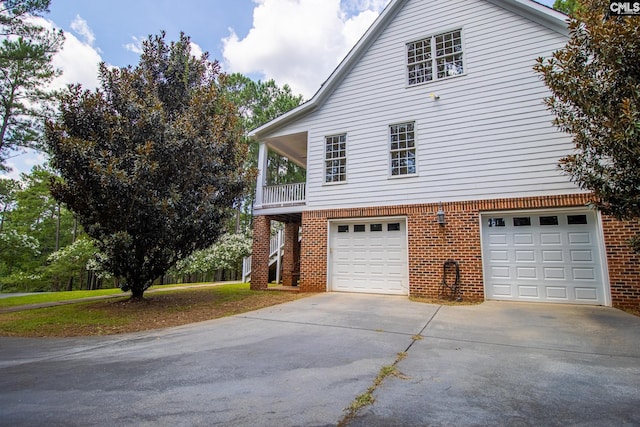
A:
x,y
335,165
402,151
435,57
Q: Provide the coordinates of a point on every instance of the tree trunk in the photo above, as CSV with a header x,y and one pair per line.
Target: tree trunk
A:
x,y
58,228
70,284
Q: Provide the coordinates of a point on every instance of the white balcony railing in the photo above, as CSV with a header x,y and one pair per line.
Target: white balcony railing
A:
x,y
284,194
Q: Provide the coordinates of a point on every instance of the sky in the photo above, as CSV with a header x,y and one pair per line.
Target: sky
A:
x,y
294,42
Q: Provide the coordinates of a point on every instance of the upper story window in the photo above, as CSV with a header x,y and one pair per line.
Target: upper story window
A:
x,y
402,149
435,57
335,165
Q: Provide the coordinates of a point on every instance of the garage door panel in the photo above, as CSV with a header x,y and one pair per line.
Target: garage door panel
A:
x,y
499,255
556,292
497,239
528,292
370,256
586,294
555,259
525,255
500,272
580,238
550,239
581,255
502,290
554,273
522,239
526,273
552,256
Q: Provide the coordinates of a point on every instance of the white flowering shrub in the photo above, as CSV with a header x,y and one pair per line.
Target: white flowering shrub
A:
x,y
226,253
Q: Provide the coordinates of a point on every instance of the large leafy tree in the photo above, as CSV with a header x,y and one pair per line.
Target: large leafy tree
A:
x,y
595,82
26,51
151,162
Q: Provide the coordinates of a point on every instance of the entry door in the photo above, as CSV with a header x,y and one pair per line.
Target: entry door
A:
x,y
369,256
546,257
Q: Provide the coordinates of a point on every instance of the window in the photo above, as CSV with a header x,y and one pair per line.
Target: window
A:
x,y
576,219
335,169
496,222
375,227
343,229
395,226
402,149
423,65
524,221
360,228
549,220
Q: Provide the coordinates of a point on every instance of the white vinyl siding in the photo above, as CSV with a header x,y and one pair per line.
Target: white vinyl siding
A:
x,y
489,135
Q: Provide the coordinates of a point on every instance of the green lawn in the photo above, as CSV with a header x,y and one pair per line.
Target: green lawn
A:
x,y
121,315
71,295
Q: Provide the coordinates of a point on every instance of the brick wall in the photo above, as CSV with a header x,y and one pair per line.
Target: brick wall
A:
x,y
431,244
260,253
624,265
291,253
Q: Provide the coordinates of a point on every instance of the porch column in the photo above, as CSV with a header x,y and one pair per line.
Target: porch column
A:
x,y
260,253
291,253
263,158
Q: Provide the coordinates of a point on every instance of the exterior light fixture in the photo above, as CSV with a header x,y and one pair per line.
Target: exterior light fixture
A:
x,y
440,215
434,96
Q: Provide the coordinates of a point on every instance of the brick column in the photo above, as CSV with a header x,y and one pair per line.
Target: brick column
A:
x,y
260,253
290,253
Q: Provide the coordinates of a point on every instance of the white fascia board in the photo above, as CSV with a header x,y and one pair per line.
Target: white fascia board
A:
x,y
537,12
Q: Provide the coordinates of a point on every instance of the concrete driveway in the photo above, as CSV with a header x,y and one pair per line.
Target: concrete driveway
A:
x,y
302,363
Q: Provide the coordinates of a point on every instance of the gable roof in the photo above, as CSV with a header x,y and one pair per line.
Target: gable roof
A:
x,y
530,9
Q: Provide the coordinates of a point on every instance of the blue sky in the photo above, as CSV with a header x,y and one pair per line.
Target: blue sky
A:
x,y
295,42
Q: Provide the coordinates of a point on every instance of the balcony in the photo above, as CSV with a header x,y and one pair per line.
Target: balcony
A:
x,y
284,195
280,199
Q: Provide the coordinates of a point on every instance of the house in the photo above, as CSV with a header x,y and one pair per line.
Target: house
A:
x,y
431,142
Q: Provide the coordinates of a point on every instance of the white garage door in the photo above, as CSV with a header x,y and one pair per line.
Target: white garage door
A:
x,y
546,257
368,256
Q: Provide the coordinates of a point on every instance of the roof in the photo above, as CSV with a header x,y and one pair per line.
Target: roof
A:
x,y
530,9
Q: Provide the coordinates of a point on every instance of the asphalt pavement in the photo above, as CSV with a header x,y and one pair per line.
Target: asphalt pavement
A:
x,y
302,364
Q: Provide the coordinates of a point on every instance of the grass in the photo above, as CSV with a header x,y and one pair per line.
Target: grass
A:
x,y
367,398
121,315
46,297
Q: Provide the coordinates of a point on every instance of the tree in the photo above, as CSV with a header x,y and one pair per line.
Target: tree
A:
x,y
595,85
26,52
34,225
567,6
8,189
258,103
152,162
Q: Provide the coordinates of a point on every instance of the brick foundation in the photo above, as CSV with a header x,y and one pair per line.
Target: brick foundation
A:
x,y
290,264
260,253
431,244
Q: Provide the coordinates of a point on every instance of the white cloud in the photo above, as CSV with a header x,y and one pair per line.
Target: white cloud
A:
x,y
196,50
81,27
135,46
78,60
299,42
